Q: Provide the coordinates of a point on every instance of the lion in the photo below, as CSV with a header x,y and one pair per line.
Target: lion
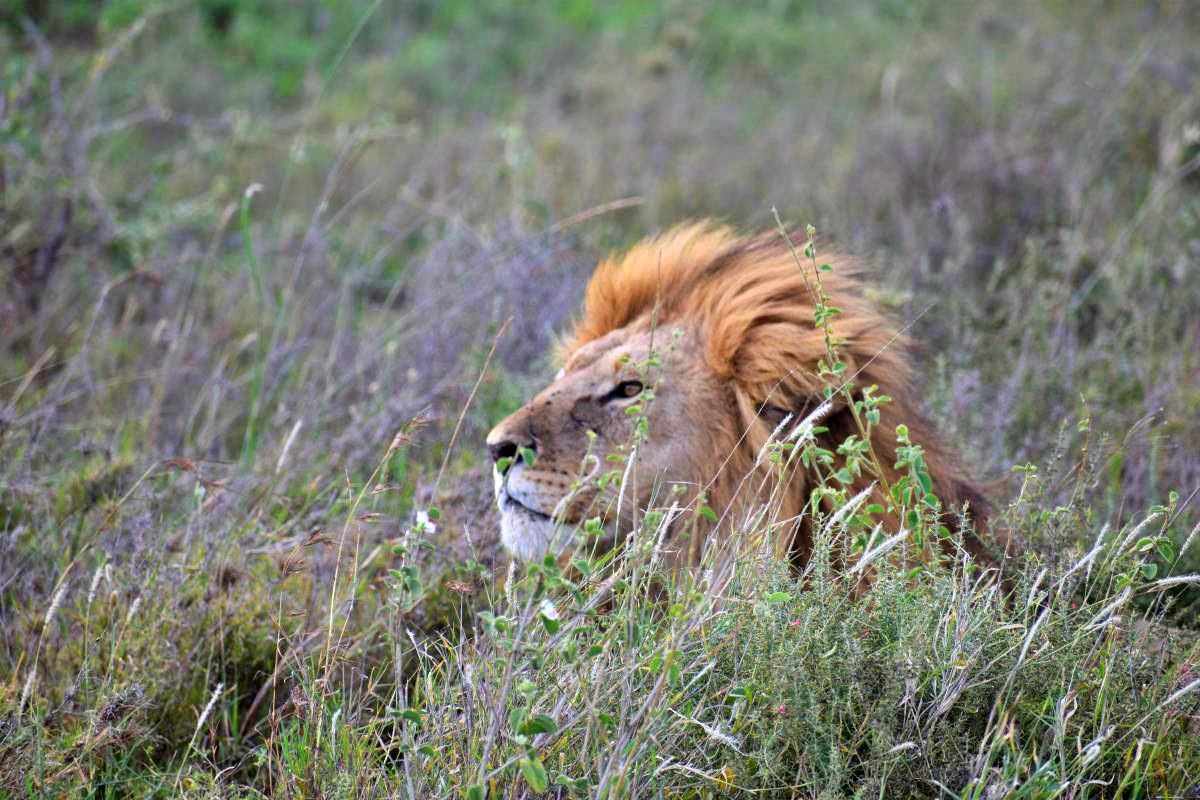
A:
x,y
727,324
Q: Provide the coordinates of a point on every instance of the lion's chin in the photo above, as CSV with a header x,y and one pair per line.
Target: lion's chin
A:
x,y
530,536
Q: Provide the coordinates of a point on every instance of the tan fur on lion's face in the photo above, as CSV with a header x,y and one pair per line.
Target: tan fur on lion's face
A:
x,y
730,321
583,417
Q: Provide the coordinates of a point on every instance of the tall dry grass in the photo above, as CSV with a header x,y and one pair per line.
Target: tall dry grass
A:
x,y
221,411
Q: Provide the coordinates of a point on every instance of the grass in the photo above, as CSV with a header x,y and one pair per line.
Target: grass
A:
x,y
242,552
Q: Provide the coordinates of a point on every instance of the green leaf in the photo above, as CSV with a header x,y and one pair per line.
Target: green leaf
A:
x,y
549,622
503,464
1149,570
535,773
412,579
528,456
778,597
742,693
578,784
541,723
708,513
477,792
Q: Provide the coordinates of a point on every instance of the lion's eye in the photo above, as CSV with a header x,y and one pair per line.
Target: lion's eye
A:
x,y
623,391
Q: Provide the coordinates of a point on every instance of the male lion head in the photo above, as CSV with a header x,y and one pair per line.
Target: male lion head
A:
x,y
707,341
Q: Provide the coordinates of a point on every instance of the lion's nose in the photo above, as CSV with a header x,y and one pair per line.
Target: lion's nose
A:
x,y
508,444
505,449
512,435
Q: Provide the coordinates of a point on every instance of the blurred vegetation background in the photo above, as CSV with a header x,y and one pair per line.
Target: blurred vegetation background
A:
x,y
246,243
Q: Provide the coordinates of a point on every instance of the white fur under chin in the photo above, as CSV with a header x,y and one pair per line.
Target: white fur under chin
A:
x,y
529,538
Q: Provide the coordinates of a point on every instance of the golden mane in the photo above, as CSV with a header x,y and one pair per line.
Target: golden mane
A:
x,y
749,302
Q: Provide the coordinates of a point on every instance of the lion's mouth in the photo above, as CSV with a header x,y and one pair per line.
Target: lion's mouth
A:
x,y
507,504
